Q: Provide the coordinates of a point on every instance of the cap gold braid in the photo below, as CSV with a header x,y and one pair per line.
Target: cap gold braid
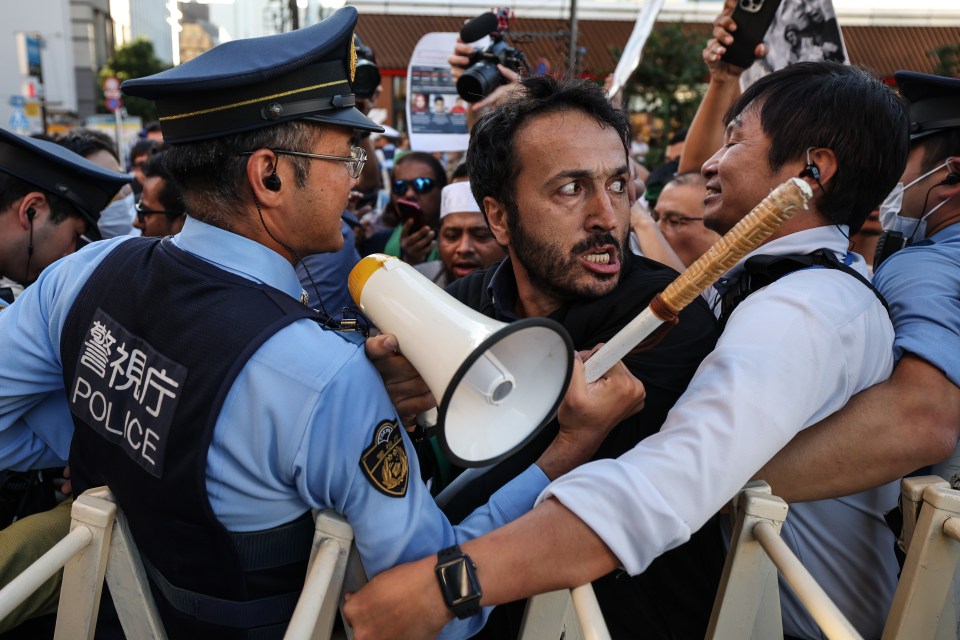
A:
x,y
353,60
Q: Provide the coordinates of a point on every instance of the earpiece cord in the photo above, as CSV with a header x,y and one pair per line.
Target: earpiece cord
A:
x,y
327,319
26,271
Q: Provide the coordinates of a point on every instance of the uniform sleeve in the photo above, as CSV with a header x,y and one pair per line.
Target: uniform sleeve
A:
x,y
922,288
358,459
35,423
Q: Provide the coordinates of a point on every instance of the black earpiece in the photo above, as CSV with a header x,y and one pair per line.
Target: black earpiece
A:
x,y
272,182
32,213
811,171
951,179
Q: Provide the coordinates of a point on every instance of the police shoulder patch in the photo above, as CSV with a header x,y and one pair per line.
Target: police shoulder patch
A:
x,y
385,463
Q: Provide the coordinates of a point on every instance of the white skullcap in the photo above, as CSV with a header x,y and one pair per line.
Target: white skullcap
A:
x,y
457,198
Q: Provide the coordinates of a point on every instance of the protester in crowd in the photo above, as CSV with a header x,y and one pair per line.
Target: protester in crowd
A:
x,y
250,409
419,178
160,209
140,152
679,216
827,323
912,420
551,171
465,242
117,218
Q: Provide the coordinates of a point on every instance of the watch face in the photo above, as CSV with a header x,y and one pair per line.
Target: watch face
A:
x,y
458,582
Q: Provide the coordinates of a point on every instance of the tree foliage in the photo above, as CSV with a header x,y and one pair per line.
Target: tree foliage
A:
x,y
136,59
948,60
670,79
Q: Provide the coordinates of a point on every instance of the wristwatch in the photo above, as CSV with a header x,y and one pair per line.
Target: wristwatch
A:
x,y
457,576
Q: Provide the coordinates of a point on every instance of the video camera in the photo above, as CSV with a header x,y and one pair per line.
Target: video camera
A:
x,y
482,75
367,76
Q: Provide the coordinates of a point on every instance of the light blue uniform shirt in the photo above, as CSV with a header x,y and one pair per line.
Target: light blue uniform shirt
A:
x,y
292,429
922,287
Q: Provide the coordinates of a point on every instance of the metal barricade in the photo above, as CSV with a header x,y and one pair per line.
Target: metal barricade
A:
x,y
748,599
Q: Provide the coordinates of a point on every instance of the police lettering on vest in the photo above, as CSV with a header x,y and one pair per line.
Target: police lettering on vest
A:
x,y
127,391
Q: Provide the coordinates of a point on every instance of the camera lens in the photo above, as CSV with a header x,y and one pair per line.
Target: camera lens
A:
x,y
366,79
479,81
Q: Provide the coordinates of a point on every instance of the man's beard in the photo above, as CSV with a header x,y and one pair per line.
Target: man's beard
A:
x,y
554,270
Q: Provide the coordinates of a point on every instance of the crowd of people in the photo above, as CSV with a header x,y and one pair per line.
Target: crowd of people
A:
x,y
216,375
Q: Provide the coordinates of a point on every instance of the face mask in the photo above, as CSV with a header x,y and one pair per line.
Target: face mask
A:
x,y
889,214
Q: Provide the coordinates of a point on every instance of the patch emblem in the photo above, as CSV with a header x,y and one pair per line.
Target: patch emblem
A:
x,y
385,461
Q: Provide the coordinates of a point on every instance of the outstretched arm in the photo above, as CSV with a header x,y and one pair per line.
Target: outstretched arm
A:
x,y
547,549
883,433
705,134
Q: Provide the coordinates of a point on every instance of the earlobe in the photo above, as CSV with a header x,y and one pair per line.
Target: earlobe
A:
x,y
496,215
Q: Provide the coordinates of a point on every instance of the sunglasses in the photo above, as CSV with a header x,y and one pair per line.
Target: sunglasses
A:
x,y
420,185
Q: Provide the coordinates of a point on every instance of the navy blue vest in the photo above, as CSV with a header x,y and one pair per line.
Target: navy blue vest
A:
x,y
150,349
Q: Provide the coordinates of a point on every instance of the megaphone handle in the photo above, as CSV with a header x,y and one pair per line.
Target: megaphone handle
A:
x,y
428,419
746,235
635,332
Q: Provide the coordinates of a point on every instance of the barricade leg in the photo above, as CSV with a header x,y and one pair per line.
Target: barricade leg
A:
x,y
83,573
129,586
923,606
747,603
322,594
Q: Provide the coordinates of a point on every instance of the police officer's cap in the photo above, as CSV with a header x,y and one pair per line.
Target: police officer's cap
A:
x,y
934,102
61,172
258,82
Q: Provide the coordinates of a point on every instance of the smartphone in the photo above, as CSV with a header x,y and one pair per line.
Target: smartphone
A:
x,y
753,19
406,209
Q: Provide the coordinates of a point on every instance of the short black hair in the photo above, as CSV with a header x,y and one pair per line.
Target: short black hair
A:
x,y
812,104
170,197
939,146
13,188
491,157
86,142
212,174
143,147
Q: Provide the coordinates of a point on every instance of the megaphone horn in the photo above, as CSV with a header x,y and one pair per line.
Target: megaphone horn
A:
x,y
499,383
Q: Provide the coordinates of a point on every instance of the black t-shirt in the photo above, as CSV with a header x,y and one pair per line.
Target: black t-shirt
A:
x,y
674,596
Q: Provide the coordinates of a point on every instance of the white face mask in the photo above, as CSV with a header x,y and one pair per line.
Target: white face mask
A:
x,y
889,214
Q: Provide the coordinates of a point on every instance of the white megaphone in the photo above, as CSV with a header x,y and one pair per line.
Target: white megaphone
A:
x,y
498,383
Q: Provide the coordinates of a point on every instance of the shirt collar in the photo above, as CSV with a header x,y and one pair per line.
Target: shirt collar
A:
x,y
947,233
831,237
238,255
502,289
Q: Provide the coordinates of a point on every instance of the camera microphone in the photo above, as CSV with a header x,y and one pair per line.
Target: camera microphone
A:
x,y
476,28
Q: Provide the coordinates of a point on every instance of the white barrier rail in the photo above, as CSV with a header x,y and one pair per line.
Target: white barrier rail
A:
x,y
572,614
748,599
21,587
99,548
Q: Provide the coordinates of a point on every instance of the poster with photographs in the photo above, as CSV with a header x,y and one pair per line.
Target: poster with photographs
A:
x,y
802,30
436,115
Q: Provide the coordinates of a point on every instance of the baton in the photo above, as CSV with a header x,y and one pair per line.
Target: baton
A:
x,y
744,237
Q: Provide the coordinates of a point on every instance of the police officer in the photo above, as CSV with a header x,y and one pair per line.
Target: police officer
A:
x,y
49,198
216,405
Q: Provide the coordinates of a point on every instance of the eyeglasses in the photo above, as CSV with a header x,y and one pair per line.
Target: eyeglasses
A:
x,y
420,185
142,213
672,220
355,160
